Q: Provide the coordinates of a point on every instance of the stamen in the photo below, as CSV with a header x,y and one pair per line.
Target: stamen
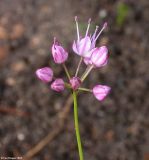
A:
x,y
94,34
54,41
76,19
88,26
85,43
104,26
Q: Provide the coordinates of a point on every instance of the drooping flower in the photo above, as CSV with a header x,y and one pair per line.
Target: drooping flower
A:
x,y
58,85
99,57
45,74
75,83
58,52
101,91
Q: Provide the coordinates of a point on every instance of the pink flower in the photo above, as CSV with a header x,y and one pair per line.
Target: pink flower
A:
x,y
75,82
99,57
45,74
101,91
58,52
58,85
83,46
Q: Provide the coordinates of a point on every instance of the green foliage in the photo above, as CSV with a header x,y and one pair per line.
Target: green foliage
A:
x,y
122,13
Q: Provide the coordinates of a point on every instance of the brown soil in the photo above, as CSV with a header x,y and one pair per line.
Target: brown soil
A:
x,y
116,129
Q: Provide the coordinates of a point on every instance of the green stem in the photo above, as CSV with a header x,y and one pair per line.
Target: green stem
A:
x,y
77,126
85,89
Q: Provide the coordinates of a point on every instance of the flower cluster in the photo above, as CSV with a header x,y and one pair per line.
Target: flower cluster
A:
x,y
92,56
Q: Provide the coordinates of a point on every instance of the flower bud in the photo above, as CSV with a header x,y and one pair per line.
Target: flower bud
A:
x,y
101,91
99,56
59,54
75,83
45,74
58,85
82,47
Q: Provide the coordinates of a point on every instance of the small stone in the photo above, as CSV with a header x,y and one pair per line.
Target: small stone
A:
x,y
4,20
18,66
41,52
3,52
17,31
109,135
35,42
3,33
102,13
20,136
10,81
57,106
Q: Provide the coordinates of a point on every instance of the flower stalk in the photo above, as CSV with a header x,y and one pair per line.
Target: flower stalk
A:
x,y
76,121
85,89
93,57
77,71
86,73
66,71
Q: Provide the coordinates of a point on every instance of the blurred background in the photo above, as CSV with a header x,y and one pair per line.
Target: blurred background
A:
x,y
36,122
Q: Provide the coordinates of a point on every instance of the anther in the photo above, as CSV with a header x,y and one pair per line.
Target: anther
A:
x,y
94,34
88,26
104,26
54,42
76,18
78,35
89,20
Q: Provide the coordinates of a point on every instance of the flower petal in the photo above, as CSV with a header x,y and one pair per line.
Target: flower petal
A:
x,y
99,56
101,91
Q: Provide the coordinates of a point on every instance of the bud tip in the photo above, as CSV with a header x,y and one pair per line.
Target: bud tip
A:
x,y
105,24
76,18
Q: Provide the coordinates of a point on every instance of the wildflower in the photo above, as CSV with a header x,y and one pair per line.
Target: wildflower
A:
x,y
92,56
45,74
85,46
75,83
101,91
58,52
58,85
96,35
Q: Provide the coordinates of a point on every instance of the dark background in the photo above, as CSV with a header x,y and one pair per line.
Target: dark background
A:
x,y
117,128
